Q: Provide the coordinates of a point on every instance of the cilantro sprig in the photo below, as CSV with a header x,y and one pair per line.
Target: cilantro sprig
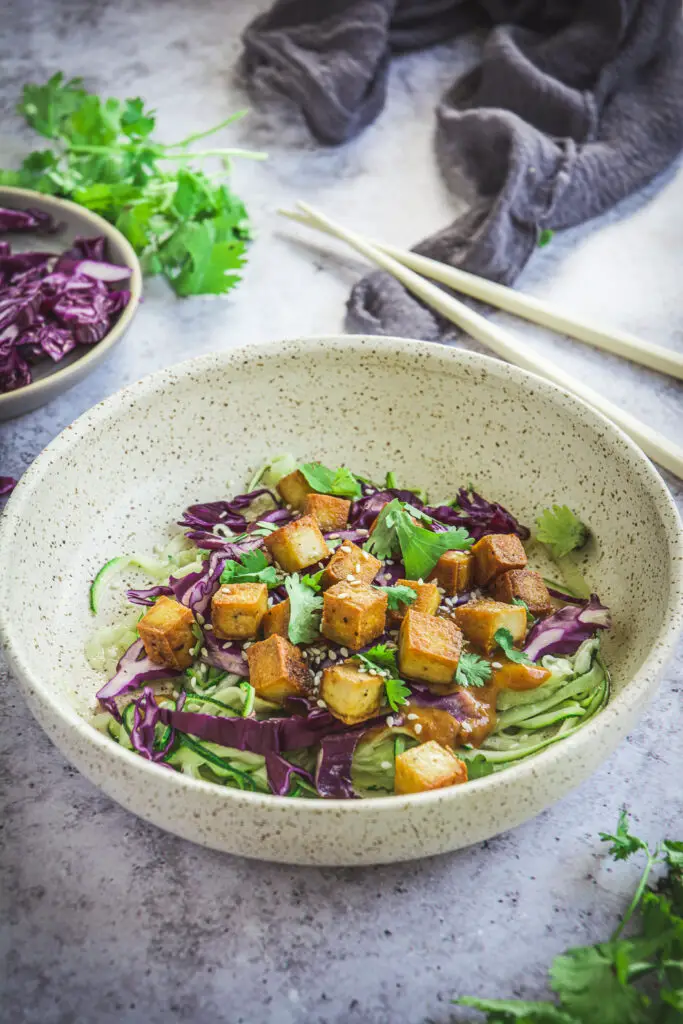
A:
x,y
560,530
503,638
397,596
340,482
253,567
184,223
634,980
382,660
472,670
305,611
419,547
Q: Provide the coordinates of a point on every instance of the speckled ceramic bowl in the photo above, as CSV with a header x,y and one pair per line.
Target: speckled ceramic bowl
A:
x,y
50,379
116,479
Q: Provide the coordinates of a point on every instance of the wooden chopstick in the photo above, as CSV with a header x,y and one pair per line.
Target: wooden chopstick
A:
x,y
621,343
502,342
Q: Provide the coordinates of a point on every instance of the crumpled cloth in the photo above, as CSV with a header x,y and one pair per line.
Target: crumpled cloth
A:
x,y
574,105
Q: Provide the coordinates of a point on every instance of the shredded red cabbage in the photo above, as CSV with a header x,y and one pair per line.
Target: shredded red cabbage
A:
x,y
228,513
333,772
148,595
566,630
145,719
50,304
281,773
7,485
226,655
133,670
479,516
363,512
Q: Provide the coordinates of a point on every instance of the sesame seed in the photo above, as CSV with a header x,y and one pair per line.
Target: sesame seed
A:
x,y
420,580
223,515
417,728
247,644
321,703
496,664
270,602
363,531
411,717
346,549
344,651
357,567
200,619
441,590
362,668
205,653
372,672
390,722
304,654
350,578
390,561
385,764
365,554
317,677
207,625
333,655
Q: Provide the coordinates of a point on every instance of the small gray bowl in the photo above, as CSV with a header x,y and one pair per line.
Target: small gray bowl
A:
x,y
50,379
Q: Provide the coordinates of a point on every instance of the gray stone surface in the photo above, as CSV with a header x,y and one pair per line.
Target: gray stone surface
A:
x,y
104,918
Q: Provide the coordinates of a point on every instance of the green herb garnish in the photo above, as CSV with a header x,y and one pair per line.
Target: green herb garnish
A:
x,y
396,596
420,548
253,567
182,222
544,237
560,530
503,638
472,670
381,656
397,693
305,610
530,619
340,482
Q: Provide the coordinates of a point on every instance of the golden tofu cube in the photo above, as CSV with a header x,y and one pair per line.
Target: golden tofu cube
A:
x,y
237,610
166,633
496,553
350,560
429,648
276,620
330,513
353,614
297,545
454,572
481,620
428,599
277,669
293,489
511,676
526,585
351,695
429,766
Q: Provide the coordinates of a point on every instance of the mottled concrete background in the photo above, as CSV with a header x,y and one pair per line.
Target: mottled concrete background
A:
x,y
103,918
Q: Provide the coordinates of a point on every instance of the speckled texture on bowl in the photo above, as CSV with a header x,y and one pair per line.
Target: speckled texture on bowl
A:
x,y
116,479
50,379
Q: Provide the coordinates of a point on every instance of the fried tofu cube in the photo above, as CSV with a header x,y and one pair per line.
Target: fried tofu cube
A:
x,y
353,614
429,648
329,512
511,676
351,695
237,610
526,585
454,572
429,766
428,599
166,633
276,620
481,620
496,553
350,560
293,489
297,545
277,669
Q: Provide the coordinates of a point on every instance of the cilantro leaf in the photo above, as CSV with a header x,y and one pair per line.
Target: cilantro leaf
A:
x,y
673,852
503,638
593,983
472,670
313,581
544,237
340,482
421,549
396,596
383,541
397,693
305,611
530,619
624,845
561,530
478,767
506,1011
253,567
381,656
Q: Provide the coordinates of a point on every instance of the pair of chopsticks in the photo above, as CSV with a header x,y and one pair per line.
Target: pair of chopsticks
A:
x,y
408,268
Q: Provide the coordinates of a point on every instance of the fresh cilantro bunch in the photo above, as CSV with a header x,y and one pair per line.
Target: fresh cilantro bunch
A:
x,y
382,659
183,222
253,567
634,980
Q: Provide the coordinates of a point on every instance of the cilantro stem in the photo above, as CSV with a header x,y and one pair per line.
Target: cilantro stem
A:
x,y
209,131
638,895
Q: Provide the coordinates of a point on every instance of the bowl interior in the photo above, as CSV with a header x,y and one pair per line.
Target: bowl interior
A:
x,y
117,480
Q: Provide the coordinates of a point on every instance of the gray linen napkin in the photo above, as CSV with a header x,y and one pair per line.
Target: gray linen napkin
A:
x,y
574,106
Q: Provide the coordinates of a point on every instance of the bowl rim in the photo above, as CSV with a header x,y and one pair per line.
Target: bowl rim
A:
x,y
637,689
55,205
